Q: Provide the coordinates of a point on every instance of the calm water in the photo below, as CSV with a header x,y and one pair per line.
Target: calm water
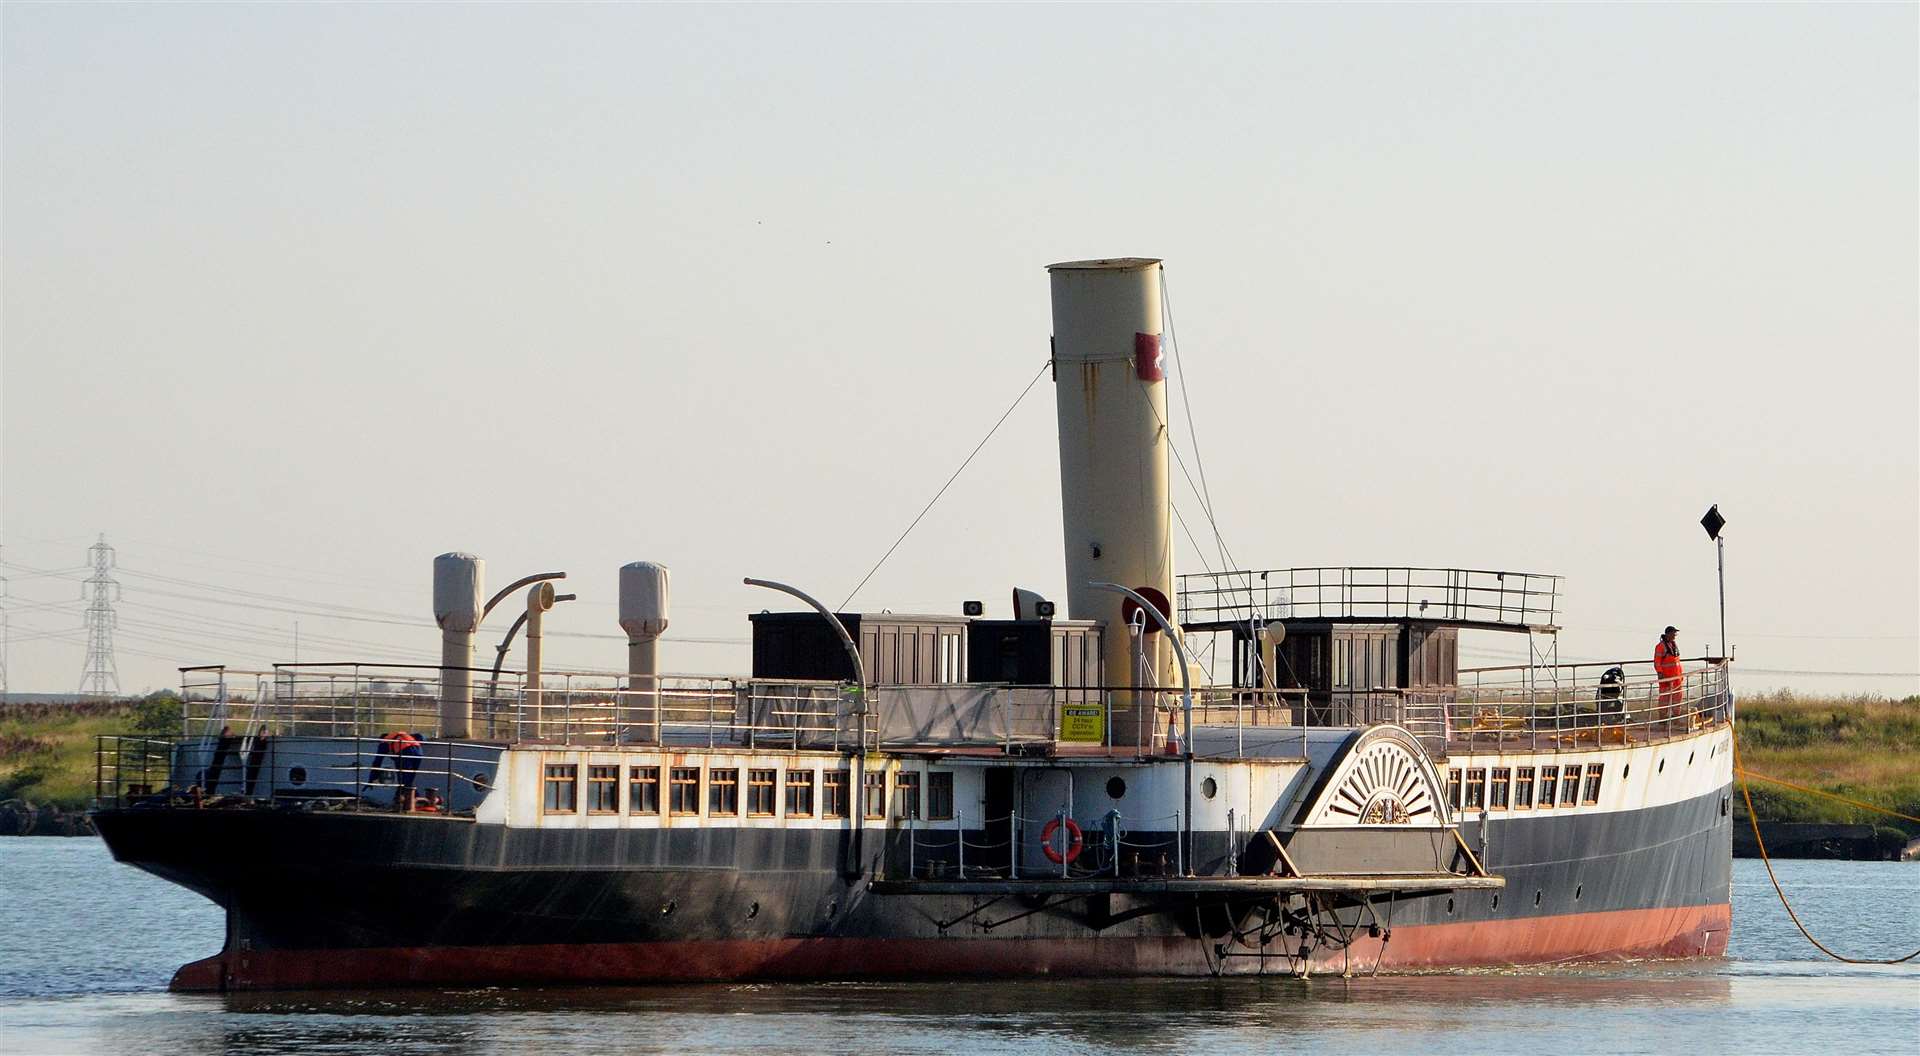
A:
x,y
87,946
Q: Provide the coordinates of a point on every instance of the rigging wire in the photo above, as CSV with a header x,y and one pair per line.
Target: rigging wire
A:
x,y
943,488
1193,432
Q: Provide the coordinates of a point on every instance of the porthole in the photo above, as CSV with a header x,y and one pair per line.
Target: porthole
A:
x,y
1689,758
753,911
1449,907
832,908
297,775
1536,898
1209,788
1662,768
1577,888
480,782
1116,787
667,907
1625,770
1496,902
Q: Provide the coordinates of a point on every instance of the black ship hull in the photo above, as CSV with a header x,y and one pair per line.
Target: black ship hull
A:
x,y
348,900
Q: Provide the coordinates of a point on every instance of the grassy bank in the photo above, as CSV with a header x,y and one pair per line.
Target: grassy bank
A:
x,y
1864,748
46,750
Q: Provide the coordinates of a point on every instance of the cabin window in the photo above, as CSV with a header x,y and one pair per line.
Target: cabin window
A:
x,y
940,795
1523,788
684,795
874,798
562,789
723,792
1549,780
1476,788
603,790
1497,791
1592,793
760,784
1569,785
643,790
906,795
833,794
1453,787
799,793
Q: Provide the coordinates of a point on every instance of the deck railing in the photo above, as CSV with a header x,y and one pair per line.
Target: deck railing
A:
x,y
585,708
1491,598
1571,705
302,772
1538,705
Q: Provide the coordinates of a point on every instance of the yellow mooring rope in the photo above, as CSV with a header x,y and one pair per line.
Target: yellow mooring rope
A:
x,y
1768,862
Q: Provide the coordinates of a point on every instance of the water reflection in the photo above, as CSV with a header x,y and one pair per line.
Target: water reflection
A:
x,y
1054,1016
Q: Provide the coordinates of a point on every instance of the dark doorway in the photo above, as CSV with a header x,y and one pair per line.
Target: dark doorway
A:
x,y
1000,803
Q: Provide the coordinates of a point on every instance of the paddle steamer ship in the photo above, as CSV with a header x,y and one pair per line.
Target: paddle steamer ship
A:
x,y
918,796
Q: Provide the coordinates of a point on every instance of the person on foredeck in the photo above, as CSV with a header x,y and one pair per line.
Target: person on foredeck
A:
x,y
1666,667
403,750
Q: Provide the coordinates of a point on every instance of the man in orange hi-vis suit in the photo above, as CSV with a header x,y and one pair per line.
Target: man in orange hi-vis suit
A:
x,y
1666,665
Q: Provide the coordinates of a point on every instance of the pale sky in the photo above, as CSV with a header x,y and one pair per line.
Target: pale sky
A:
x,y
296,297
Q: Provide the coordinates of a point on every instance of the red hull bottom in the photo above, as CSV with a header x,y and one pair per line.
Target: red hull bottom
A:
x,y
1691,931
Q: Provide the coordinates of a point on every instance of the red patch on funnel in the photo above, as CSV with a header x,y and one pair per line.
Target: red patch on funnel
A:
x,y
1128,607
1148,359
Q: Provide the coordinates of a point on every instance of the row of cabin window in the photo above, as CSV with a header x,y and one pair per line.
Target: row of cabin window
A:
x,y
1513,787
561,791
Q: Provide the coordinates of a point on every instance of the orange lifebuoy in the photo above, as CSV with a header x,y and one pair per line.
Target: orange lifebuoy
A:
x,y
1074,842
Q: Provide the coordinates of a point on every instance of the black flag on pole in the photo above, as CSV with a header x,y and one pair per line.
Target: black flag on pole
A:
x,y
1713,522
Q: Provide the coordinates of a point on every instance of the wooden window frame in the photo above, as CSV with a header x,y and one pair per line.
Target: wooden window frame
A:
x,y
723,792
638,778
1570,785
557,775
599,774
906,796
1590,788
939,795
678,778
763,783
1476,788
1549,787
1499,788
1523,788
873,795
1453,787
836,785
799,780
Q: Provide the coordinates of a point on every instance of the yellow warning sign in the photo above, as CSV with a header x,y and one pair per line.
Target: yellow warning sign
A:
x,y
1085,723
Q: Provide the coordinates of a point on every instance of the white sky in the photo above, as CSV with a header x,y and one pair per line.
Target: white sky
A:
x,y
296,297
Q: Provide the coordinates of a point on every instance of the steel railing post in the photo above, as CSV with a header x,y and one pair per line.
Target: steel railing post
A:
x,y
1233,845
1180,848
1066,844
1113,839
960,840
1013,846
